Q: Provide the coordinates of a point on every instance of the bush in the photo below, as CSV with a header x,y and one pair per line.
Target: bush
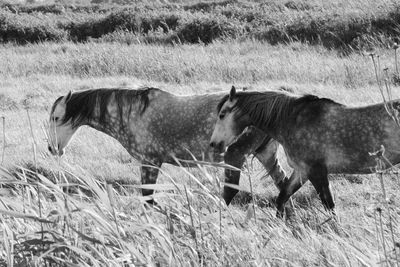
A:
x,y
58,8
273,22
206,28
126,20
298,5
28,29
331,31
209,6
143,22
127,37
90,28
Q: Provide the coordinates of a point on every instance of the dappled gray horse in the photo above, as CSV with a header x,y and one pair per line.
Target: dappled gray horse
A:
x,y
157,127
319,136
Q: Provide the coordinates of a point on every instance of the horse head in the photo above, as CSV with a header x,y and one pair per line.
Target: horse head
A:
x,y
60,130
230,122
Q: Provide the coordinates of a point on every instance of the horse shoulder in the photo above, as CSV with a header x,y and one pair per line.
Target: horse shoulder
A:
x,y
314,112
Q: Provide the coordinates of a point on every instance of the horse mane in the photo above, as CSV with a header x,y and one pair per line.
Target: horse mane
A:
x,y
268,109
82,105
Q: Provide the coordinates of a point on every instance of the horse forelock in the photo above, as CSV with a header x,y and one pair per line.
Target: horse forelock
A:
x,y
222,102
55,105
81,107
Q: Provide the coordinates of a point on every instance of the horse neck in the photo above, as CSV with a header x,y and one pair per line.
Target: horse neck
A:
x,y
274,117
113,124
277,131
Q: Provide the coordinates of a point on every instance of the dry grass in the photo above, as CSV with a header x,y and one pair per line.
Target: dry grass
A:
x,y
63,211
96,224
245,62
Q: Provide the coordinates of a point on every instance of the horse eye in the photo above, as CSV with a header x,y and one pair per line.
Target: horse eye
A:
x,y
55,118
221,115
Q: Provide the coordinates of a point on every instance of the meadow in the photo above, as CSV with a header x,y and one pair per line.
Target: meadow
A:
x,y
85,209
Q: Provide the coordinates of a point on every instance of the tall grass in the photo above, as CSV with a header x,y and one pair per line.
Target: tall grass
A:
x,y
96,225
247,63
390,250
58,213
64,212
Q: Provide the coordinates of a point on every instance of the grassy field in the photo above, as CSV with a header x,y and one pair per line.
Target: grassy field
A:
x,y
101,225
74,211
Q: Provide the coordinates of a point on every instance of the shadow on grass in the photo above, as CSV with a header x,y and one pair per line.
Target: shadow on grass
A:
x,y
301,200
31,174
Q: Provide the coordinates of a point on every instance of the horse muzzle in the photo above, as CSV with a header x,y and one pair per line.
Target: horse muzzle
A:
x,y
55,152
218,147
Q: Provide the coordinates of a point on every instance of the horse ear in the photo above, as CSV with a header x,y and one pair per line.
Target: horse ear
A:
x,y
67,97
232,93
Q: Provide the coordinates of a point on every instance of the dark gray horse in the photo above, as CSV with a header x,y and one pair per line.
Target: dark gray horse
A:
x,y
157,127
319,136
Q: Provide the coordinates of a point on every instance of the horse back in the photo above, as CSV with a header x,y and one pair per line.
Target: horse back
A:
x,y
312,111
178,124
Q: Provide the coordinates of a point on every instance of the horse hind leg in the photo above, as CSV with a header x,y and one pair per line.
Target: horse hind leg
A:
x,y
288,188
318,176
149,175
267,155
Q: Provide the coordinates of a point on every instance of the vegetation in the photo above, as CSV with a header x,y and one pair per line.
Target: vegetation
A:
x,y
85,209
85,220
334,25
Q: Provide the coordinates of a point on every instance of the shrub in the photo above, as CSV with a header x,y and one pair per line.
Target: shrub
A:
x,y
92,27
272,34
206,28
128,37
297,5
144,21
57,8
208,6
331,31
126,20
273,22
27,28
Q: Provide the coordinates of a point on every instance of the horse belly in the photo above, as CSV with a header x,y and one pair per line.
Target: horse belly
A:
x,y
192,151
356,163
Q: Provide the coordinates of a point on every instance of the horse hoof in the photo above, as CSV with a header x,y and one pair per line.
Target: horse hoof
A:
x,y
290,214
279,214
151,203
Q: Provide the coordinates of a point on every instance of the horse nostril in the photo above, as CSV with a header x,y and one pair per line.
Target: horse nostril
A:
x,y
212,144
49,147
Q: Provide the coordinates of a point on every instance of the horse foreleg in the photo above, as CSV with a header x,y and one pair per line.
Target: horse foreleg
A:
x,y
318,176
149,176
231,176
245,144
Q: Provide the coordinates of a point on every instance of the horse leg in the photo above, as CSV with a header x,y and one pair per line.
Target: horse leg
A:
x,y
245,144
149,176
231,177
288,188
267,155
235,158
318,176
